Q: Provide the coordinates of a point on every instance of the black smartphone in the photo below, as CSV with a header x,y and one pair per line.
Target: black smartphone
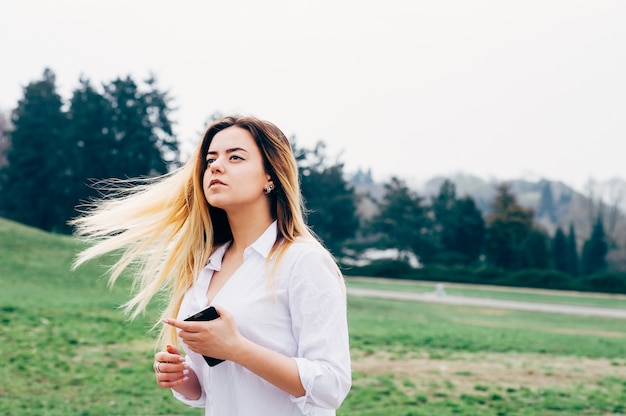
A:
x,y
207,315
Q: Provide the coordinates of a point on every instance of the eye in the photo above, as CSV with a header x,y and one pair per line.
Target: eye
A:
x,y
210,160
235,157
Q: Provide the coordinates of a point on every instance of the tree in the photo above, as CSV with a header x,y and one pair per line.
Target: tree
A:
x,y
123,132
459,227
92,140
403,222
510,225
559,251
571,252
329,200
143,142
36,181
467,236
443,203
536,250
595,250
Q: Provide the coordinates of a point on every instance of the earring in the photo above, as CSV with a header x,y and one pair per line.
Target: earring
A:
x,y
268,189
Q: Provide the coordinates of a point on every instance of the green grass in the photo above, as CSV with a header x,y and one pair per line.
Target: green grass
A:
x,y
68,350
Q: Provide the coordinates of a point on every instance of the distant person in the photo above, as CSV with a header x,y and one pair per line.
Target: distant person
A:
x,y
440,290
227,230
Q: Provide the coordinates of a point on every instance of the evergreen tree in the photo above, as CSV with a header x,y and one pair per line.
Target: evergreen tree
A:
x,y
536,251
467,237
36,183
509,226
459,227
329,200
92,138
559,251
122,133
571,250
595,250
143,142
444,227
403,222
443,203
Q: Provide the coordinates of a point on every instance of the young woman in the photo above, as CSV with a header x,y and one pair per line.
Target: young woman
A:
x,y
227,230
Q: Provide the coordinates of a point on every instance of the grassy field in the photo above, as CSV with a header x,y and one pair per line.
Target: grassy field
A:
x,y
68,350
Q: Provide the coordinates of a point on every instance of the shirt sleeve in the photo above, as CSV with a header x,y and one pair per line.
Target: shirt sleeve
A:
x,y
317,303
201,401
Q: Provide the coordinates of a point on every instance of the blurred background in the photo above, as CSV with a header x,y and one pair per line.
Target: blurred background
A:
x,y
421,127
463,152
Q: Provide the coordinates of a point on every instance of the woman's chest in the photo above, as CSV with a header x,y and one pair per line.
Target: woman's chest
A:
x,y
259,306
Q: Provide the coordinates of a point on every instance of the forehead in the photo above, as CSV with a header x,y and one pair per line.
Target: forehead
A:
x,y
232,137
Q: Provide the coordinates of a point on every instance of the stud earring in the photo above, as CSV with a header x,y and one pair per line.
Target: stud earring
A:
x,y
268,189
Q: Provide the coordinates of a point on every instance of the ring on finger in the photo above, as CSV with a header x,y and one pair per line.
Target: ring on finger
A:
x,y
157,367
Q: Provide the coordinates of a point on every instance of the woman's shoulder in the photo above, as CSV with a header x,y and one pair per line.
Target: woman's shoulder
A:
x,y
307,254
303,246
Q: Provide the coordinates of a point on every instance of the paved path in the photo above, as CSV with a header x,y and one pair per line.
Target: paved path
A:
x,y
490,303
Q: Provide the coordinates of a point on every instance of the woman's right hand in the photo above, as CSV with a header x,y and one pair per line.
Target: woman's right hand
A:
x,y
170,368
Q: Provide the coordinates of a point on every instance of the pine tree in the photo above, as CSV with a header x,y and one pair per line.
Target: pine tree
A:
x,y
403,222
444,228
509,226
559,251
595,250
36,183
468,236
459,227
92,138
571,251
536,250
329,200
143,143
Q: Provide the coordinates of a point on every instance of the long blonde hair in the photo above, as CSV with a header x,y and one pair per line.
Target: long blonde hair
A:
x,y
165,229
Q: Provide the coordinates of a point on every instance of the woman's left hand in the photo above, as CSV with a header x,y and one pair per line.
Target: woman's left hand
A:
x,y
218,338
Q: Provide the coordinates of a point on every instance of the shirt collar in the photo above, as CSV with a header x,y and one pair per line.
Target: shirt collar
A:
x,y
266,241
262,245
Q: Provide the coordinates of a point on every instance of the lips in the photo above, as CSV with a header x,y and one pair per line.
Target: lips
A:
x,y
215,182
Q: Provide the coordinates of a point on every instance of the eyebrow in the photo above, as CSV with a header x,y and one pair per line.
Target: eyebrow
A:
x,y
231,150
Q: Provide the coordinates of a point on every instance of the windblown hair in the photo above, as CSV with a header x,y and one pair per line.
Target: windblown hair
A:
x,y
165,230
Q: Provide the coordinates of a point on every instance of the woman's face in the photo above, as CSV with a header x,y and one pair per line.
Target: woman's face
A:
x,y
235,177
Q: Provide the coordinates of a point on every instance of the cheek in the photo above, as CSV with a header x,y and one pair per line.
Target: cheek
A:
x,y
205,179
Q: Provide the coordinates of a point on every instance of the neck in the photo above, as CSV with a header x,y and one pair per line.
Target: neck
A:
x,y
247,229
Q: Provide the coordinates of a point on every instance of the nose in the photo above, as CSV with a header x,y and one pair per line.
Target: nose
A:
x,y
216,165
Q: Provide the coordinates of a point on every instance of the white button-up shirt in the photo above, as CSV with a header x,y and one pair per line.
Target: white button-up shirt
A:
x,y
302,316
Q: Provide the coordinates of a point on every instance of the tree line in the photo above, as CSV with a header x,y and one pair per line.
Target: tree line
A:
x,y
452,230
118,130
54,150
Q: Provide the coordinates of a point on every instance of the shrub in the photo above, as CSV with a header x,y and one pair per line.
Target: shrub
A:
x,y
603,282
545,279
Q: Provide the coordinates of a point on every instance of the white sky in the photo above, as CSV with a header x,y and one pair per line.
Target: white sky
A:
x,y
532,88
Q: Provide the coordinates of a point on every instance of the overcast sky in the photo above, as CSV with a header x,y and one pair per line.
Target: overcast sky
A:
x,y
409,88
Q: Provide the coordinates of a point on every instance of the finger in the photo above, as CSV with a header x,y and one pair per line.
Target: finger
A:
x,y
166,357
184,325
168,384
169,367
172,349
221,311
168,380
